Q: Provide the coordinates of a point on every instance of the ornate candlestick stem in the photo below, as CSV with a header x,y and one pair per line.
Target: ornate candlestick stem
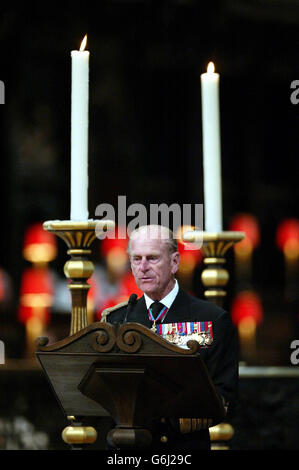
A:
x,y
215,278
78,237
214,247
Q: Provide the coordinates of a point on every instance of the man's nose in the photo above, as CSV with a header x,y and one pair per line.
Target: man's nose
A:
x,y
144,264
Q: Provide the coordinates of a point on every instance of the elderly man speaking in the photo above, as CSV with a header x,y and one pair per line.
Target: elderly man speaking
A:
x,y
154,261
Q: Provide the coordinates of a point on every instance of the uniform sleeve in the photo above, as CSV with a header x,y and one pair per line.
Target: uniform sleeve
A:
x,y
117,316
222,359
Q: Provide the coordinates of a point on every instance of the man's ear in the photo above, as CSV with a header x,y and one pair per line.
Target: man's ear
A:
x,y
175,262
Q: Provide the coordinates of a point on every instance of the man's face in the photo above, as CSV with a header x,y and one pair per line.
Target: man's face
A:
x,y
153,266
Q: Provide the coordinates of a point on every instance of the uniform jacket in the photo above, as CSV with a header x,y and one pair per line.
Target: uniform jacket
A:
x,y
221,358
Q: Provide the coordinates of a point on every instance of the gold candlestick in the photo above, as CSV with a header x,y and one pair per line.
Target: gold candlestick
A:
x,y
214,247
215,278
78,237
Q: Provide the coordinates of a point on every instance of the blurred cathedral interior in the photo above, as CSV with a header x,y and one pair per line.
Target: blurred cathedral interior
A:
x,y
145,142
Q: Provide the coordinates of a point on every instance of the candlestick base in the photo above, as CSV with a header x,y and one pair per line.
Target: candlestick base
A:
x,y
215,246
78,236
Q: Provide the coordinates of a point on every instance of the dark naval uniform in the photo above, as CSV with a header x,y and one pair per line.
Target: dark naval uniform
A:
x,y
221,357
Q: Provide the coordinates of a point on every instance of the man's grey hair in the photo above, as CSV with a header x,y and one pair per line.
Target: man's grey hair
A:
x,y
155,232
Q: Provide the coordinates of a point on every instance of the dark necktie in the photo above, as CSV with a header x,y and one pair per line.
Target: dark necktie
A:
x,y
156,308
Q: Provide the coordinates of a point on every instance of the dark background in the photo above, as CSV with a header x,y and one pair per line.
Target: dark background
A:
x,y
145,137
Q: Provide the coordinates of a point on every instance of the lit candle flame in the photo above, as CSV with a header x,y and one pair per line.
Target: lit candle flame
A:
x,y
211,67
83,43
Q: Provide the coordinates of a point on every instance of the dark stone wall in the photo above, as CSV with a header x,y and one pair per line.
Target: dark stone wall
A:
x,y
267,414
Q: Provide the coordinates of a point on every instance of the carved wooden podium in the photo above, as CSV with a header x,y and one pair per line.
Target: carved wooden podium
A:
x,y
133,375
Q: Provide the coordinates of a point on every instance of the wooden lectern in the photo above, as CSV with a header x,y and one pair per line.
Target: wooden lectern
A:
x,y
132,374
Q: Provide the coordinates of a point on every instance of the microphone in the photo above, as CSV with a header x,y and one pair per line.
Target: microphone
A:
x,y
132,301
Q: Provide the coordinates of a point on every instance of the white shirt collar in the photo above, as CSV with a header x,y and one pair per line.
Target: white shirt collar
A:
x,y
167,300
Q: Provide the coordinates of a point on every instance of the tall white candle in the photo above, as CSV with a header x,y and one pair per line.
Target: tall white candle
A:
x,y
79,133
211,150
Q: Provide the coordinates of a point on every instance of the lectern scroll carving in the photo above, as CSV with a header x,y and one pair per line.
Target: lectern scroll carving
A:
x,y
132,374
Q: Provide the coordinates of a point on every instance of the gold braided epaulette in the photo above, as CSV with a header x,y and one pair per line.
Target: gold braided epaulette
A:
x,y
108,310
